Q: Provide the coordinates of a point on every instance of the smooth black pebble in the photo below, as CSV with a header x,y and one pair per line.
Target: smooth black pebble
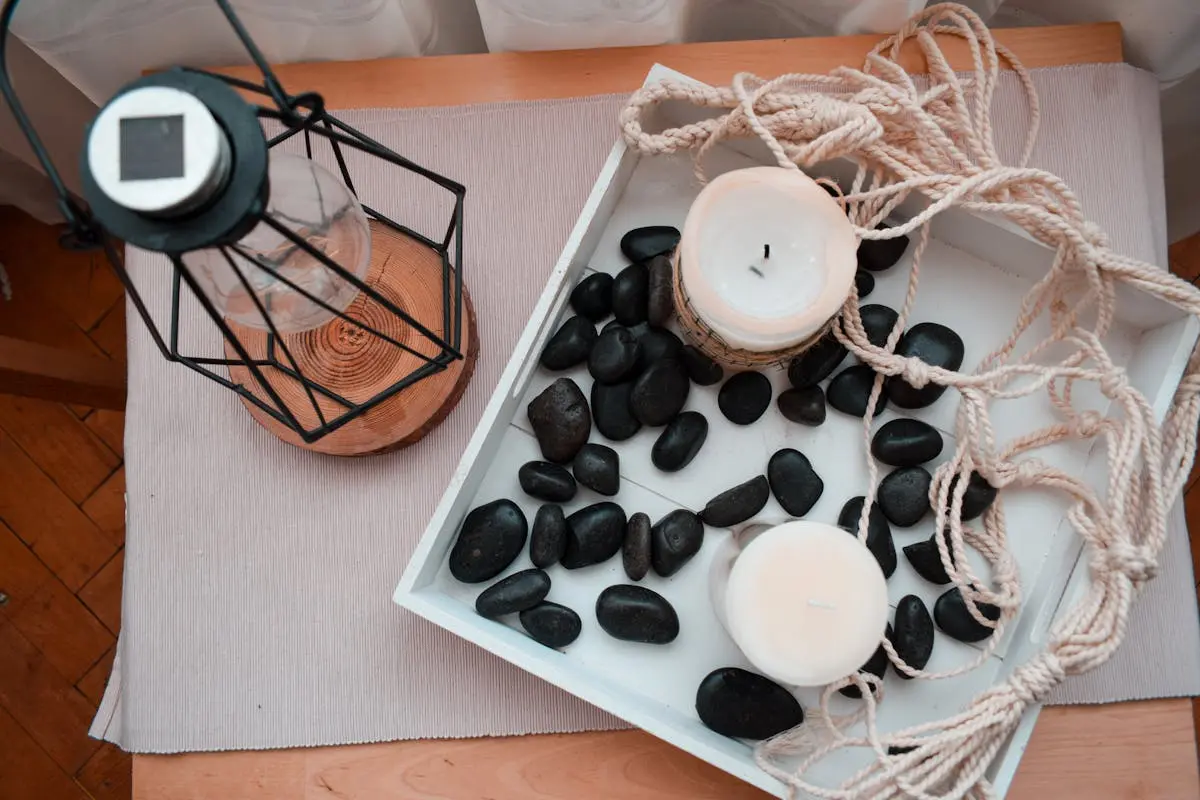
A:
x,y
906,443
850,390
934,344
817,362
598,467
674,539
560,419
660,392
700,368
611,411
744,397
876,665
656,344
864,282
738,504
636,614
641,244
734,702
806,406
491,537
630,295
548,538
880,254
680,441
879,533
594,534
794,482
978,497
635,551
904,495
592,296
615,355
517,592
927,561
551,624
546,481
570,344
913,639
660,292
878,321
952,617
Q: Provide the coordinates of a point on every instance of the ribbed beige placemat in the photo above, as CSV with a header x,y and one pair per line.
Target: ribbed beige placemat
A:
x,y
258,578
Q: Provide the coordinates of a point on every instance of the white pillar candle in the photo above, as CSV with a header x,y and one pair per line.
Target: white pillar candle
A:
x,y
766,257
806,602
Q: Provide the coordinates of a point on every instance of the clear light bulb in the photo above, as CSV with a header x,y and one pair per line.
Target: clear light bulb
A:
x,y
315,205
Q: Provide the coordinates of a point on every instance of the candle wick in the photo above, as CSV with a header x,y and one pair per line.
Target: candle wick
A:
x,y
766,251
757,271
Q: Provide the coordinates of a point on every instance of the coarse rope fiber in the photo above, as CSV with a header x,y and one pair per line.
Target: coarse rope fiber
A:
x,y
937,140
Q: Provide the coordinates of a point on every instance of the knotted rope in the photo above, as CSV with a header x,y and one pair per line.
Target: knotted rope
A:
x,y
938,141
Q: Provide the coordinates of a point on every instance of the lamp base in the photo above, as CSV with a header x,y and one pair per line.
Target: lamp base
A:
x,y
357,365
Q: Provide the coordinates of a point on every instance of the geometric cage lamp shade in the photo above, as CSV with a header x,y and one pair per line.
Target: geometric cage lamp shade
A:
x,y
341,329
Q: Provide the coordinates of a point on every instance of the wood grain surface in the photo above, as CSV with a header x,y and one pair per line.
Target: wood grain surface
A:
x,y
1125,751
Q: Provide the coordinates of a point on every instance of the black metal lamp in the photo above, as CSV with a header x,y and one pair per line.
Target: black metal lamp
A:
x,y
342,330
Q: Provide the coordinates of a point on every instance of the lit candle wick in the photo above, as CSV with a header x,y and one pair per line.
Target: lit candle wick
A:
x,y
821,604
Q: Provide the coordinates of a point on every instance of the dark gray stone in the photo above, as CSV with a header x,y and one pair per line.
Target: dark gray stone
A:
x,y
548,539
978,497
744,397
680,441
592,296
906,443
877,255
914,633
598,467
926,560
817,362
560,419
738,504
850,390
630,291
611,411
570,344
641,244
491,537
546,481
700,368
660,300
594,534
517,592
864,282
878,321
656,344
953,619
794,482
636,614
904,495
615,355
879,533
734,702
551,624
674,540
876,665
805,406
934,344
635,551
660,392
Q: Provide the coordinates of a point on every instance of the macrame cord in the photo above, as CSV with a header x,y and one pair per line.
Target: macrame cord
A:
x,y
938,141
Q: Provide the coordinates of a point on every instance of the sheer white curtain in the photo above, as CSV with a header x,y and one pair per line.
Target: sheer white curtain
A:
x,y
101,44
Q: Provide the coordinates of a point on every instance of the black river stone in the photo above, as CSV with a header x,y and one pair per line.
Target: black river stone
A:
x,y
914,633
570,344
551,624
491,537
656,344
660,392
864,282
878,322
906,443
934,344
700,368
879,533
598,467
744,397
795,483
561,420
615,355
594,535
674,540
517,592
879,254
904,495
636,614
734,702
641,244
660,298
546,481
630,293
817,362
548,539
850,390
806,406
680,441
592,296
927,561
978,497
952,617
611,412
635,551
738,504
876,665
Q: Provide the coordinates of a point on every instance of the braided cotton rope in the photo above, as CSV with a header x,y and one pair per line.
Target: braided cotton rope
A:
x,y
938,141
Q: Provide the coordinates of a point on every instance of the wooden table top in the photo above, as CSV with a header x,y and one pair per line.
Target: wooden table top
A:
x,y
1128,750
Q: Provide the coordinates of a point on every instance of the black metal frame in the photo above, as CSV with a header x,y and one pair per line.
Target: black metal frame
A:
x,y
302,114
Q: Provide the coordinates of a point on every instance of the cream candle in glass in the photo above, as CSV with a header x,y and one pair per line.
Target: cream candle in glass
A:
x,y
805,602
766,259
